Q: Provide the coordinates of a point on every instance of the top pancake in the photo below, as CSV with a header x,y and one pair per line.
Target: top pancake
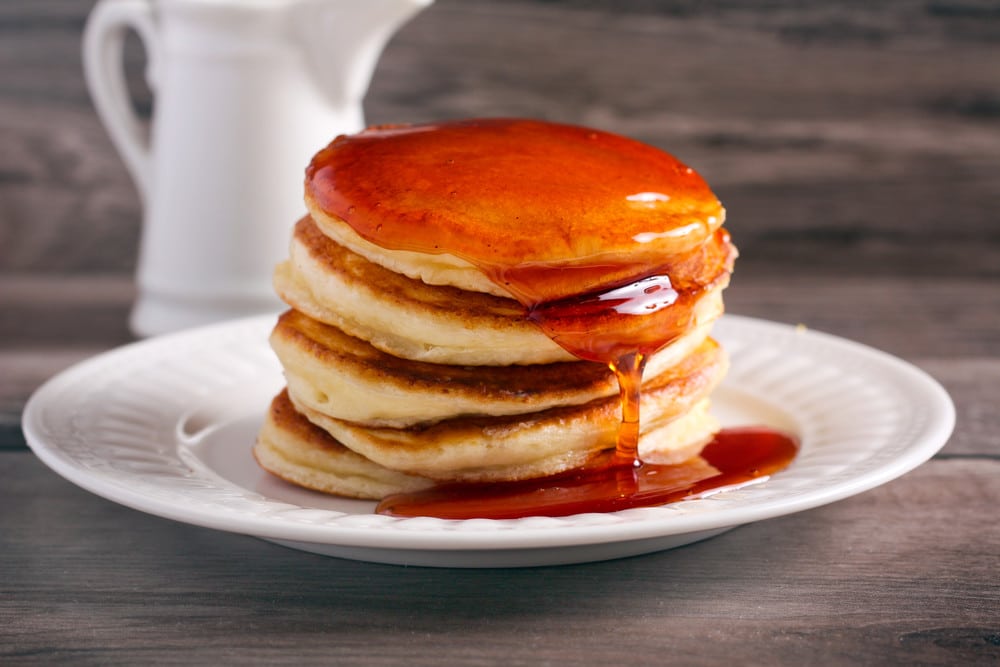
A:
x,y
502,195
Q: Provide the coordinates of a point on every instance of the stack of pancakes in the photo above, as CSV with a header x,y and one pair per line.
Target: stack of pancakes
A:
x,y
406,368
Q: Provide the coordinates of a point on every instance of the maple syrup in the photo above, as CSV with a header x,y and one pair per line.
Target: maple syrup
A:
x,y
548,211
608,244
734,458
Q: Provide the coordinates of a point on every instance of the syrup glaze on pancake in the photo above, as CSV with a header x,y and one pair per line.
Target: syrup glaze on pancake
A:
x,y
545,210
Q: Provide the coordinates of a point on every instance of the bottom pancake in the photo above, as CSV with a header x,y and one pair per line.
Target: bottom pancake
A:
x,y
289,446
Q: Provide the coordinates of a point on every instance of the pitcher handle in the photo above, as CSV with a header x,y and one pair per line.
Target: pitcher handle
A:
x,y
104,71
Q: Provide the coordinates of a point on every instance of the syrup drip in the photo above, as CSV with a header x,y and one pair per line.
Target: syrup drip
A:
x,y
628,369
620,328
734,458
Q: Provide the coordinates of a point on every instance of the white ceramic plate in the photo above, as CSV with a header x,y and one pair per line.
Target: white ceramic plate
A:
x,y
165,426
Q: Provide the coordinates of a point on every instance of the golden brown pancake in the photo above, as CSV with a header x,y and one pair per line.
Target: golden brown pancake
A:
x,y
503,193
405,317
675,424
410,319
294,449
291,447
346,378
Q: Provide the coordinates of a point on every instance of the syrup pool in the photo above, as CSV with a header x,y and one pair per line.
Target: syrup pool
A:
x,y
734,458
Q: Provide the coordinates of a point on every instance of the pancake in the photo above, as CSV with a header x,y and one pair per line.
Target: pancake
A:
x,y
410,319
292,448
402,316
347,378
432,269
675,424
489,193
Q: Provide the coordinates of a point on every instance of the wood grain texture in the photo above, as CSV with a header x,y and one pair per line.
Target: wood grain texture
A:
x,y
842,138
856,147
855,582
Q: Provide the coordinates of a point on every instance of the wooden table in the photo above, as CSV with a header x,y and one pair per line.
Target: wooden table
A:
x,y
858,153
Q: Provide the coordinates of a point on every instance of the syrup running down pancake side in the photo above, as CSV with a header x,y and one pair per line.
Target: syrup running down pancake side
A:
x,y
606,242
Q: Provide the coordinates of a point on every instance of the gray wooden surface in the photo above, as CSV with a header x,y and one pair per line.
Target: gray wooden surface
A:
x,y
857,149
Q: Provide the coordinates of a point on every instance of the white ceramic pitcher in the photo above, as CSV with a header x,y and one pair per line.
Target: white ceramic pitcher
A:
x,y
245,91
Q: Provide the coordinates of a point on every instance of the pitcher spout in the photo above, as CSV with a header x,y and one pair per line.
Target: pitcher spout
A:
x,y
341,41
